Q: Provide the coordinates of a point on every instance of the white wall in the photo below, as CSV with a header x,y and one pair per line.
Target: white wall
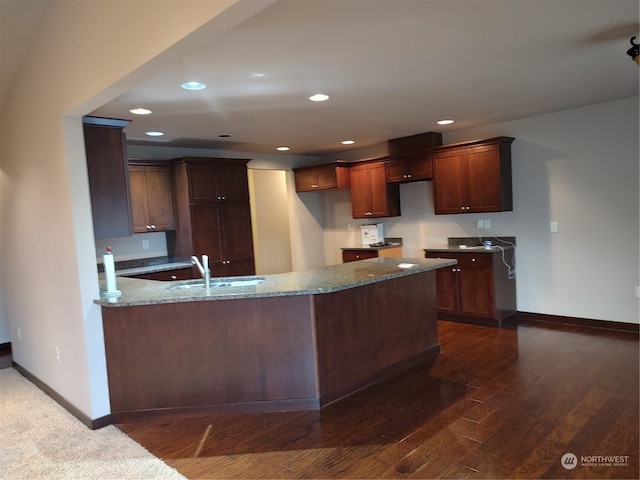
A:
x,y
577,167
79,62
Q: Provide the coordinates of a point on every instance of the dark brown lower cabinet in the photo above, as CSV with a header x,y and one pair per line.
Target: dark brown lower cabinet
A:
x,y
479,289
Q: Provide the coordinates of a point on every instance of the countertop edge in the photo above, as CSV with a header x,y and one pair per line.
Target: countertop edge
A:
x,y
160,295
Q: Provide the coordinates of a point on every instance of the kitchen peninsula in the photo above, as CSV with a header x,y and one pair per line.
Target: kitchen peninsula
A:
x,y
296,340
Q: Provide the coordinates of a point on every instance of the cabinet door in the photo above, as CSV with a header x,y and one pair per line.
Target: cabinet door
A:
x,y
410,169
236,236
306,181
202,184
139,199
217,182
476,292
378,188
205,231
447,290
160,205
108,181
450,182
483,167
360,192
231,182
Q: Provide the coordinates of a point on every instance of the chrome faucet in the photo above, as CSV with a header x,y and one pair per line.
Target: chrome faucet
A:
x,y
204,268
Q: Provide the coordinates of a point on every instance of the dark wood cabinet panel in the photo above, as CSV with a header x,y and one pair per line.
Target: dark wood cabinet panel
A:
x,y
371,196
355,255
479,289
168,275
406,169
331,176
473,177
151,200
211,199
410,158
226,182
105,147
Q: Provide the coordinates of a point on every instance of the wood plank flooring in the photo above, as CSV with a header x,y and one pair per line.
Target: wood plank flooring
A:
x,y
496,403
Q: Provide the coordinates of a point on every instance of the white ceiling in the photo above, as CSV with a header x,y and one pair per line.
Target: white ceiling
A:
x,y
391,67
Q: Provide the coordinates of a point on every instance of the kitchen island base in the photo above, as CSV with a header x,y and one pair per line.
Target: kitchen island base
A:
x,y
287,352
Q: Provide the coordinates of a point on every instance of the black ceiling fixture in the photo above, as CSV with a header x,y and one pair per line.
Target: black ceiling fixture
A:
x,y
634,51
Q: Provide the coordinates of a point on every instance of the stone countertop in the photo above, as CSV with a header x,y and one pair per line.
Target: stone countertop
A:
x,y
163,267
463,248
307,282
389,243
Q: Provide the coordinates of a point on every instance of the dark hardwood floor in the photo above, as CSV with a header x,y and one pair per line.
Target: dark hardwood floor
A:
x,y
496,403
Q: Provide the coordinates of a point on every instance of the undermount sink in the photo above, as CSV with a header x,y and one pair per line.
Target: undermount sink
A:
x,y
219,283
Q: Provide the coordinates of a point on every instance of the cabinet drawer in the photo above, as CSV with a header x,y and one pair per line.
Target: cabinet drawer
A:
x,y
355,255
467,259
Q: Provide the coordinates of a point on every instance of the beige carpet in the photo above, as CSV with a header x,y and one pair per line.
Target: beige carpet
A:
x,y
41,440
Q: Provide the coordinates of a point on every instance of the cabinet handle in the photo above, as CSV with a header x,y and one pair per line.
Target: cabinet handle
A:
x,y
148,227
153,227
173,277
314,186
473,259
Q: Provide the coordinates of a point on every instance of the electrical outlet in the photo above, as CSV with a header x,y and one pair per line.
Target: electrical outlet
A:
x,y
349,227
479,224
638,291
145,244
553,226
19,334
58,355
487,223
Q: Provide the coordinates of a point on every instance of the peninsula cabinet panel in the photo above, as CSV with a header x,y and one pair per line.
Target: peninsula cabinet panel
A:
x,y
332,176
151,203
473,177
105,147
371,196
476,290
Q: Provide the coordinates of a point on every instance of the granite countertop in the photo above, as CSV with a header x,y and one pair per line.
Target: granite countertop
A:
x,y
163,267
388,243
464,248
314,281
473,244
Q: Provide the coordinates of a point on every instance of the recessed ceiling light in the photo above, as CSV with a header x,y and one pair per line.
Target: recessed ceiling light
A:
x,y
193,86
154,134
444,122
347,142
283,149
140,111
319,97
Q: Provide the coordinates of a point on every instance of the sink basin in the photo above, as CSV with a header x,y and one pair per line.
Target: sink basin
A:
x,y
218,283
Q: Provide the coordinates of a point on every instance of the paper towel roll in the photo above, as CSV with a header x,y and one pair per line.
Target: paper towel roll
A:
x,y
110,272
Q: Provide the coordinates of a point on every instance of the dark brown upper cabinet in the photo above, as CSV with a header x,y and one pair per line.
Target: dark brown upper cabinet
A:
x,y
473,177
332,176
151,199
105,147
410,158
371,196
